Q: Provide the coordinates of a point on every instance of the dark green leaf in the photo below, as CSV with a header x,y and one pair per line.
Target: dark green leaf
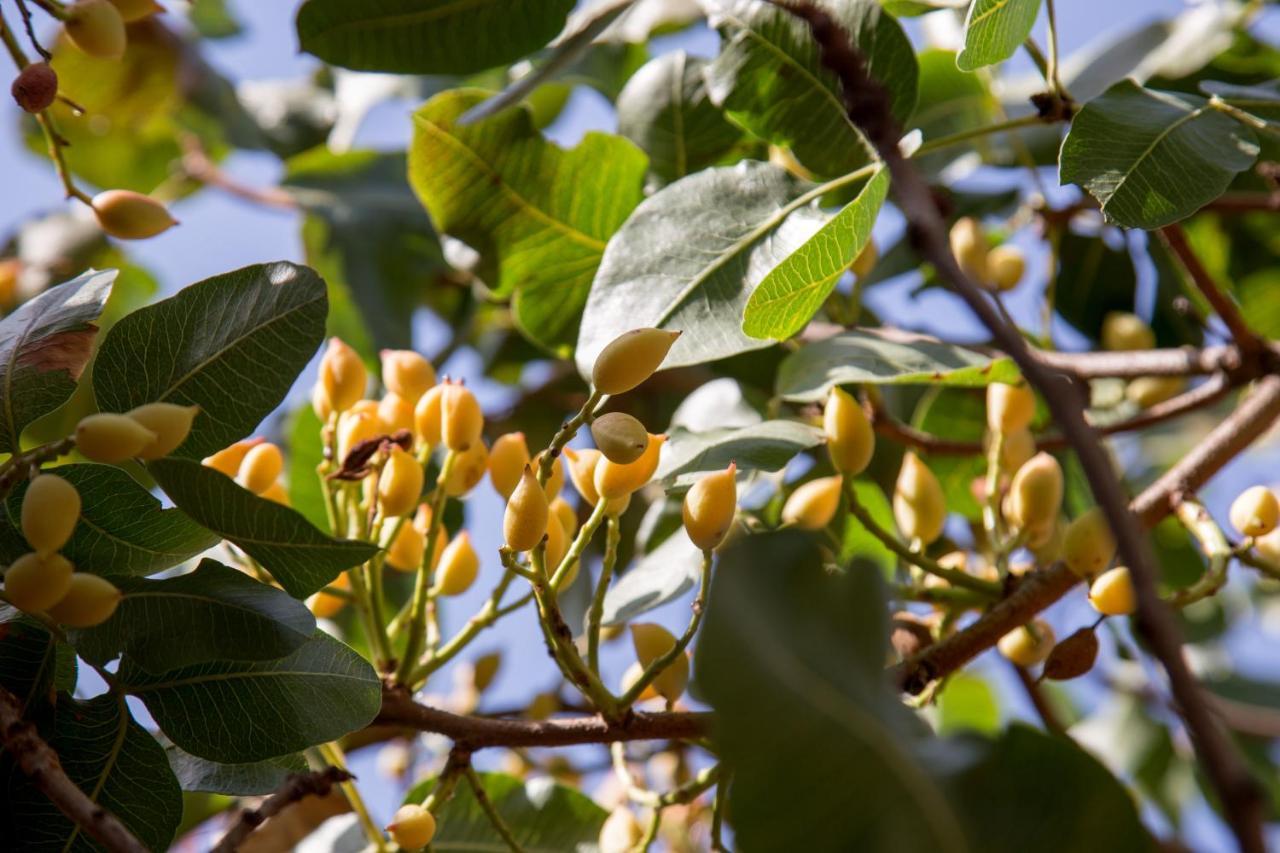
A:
x,y
242,780
122,529
543,816
538,215
28,659
665,110
665,573
886,357
766,446
795,289
1151,158
994,30
212,613
232,345
306,451
44,345
116,763
296,554
1262,101
235,712
769,78
857,543
428,36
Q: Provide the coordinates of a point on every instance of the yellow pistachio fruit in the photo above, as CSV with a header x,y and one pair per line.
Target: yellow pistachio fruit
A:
x,y
866,260
485,670
919,506
1112,593
400,483
1028,647
1005,267
90,600
1148,391
1045,543
278,493
108,437
97,28
405,552
524,522
621,832
709,507
615,507
630,359
261,467
395,413
1088,544
136,10
427,415
542,706
1035,496
342,375
617,481
1254,513
320,403
228,459
34,582
468,470
326,606
171,424
631,676
406,373
354,427
557,547
507,458
50,510
969,245
555,480
1268,546
620,437
459,566
461,420
567,515
582,470
412,827
1123,331
813,504
1009,407
652,642
127,215
1017,448
850,439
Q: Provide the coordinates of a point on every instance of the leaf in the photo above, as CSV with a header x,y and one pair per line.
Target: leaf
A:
x,y
298,556
237,711
306,451
123,530
428,36
28,659
664,574
769,78
538,215
1151,158
967,703
994,30
544,817
690,256
886,357
859,543
1262,101
795,289
212,613
665,109
256,778
116,763
232,345
766,446
44,346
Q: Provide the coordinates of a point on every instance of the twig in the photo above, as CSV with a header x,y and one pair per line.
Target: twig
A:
x,y
198,166
40,763
1200,524
1183,361
1176,240
1044,710
299,786
487,806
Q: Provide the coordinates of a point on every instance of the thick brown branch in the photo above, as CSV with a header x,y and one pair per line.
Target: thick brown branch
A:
x,y
40,763
1225,307
299,786
481,732
1184,361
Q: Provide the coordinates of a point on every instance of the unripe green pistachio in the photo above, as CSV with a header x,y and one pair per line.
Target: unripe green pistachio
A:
x,y
33,583
469,468
1255,512
633,675
557,548
461,420
568,516
485,670
1005,266
171,424
620,437
630,359
427,416
343,375
229,459
850,438
50,510
326,606
1088,544
582,470
555,480
109,437
408,548
36,88
97,28
395,413
89,601
1018,447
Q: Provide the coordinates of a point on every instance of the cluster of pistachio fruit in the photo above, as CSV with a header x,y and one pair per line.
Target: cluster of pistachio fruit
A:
x,y
45,581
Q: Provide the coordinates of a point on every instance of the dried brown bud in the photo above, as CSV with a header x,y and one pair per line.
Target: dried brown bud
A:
x,y
36,87
1073,657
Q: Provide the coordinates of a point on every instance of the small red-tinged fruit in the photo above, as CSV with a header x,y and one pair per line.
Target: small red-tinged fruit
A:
x,y
1088,544
850,439
34,583
709,507
89,601
1073,657
170,422
261,467
813,504
459,566
620,437
1112,592
127,215
1009,407
412,827
228,459
50,510
1255,512
1028,645
652,642
507,458
97,28
630,359
407,373
110,437
524,522
36,88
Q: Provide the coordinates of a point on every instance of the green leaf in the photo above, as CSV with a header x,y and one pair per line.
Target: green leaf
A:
x,y
994,30
961,415
795,289
28,659
296,554
236,711
255,778
665,573
538,215
766,446
692,253
665,109
232,345
306,451
1151,158
544,817
859,543
967,703
123,530
886,357
428,36
769,78
44,345
212,613
951,101
1262,101
111,759
213,20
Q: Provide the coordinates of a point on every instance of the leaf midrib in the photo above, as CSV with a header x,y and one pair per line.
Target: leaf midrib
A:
x,y
172,684
1191,115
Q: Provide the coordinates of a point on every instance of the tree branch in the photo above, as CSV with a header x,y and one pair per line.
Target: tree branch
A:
x,y
1176,240
40,763
299,786
1181,361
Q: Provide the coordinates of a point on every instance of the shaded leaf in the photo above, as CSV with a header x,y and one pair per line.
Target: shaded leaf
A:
x,y
967,703
665,573
250,779
950,101
857,543
306,452
994,30
766,446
